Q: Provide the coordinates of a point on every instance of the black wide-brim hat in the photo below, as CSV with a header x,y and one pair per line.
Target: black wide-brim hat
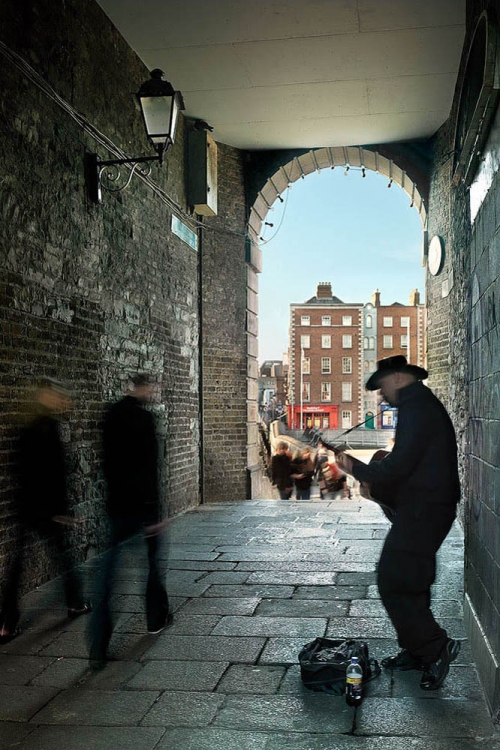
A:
x,y
389,365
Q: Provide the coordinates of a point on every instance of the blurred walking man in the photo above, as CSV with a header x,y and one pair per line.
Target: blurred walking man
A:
x,y
131,470
422,474
43,502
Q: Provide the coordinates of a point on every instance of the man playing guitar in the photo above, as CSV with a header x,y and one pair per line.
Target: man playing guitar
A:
x,y
420,477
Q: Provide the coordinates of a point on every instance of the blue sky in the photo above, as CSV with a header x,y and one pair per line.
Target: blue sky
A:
x,y
351,231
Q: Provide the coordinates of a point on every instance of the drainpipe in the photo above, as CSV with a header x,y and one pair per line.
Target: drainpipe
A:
x,y
201,484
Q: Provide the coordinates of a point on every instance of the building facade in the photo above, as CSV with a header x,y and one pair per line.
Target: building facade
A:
x,y
334,347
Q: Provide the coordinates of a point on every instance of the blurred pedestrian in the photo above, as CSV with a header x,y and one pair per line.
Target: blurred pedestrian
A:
x,y
43,505
133,505
302,474
281,470
320,460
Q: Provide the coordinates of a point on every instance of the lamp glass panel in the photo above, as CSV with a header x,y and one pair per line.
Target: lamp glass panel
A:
x,y
158,111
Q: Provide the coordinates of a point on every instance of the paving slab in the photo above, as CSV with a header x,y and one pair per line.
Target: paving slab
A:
x,y
212,739
62,673
22,702
184,710
200,565
332,742
287,713
256,680
329,592
415,717
293,578
306,627
221,606
12,734
20,670
302,608
228,577
246,590
92,738
209,648
171,675
97,708
370,608
288,566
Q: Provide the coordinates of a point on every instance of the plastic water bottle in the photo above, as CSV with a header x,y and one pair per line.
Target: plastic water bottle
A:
x,y
354,683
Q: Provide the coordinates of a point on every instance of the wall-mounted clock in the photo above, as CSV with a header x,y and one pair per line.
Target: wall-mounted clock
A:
x,y
436,255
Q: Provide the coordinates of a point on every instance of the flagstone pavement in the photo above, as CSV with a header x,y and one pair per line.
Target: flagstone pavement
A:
x,y
250,583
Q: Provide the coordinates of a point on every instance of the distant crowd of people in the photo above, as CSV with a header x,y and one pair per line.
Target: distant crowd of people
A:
x,y
297,472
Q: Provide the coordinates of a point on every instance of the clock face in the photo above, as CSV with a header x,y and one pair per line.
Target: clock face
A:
x,y
436,255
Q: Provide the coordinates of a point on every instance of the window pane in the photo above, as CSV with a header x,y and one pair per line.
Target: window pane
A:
x,y
306,392
326,391
326,342
405,322
346,342
387,322
305,342
404,341
368,321
346,391
326,320
305,320
306,365
347,320
326,365
387,342
346,364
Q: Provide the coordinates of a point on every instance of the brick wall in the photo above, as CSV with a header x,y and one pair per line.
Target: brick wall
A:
x,y
92,293
225,338
464,364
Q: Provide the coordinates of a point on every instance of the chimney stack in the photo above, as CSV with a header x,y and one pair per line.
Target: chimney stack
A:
x,y
415,298
324,290
376,298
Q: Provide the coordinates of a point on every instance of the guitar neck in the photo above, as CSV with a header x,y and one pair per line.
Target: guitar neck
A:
x,y
335,449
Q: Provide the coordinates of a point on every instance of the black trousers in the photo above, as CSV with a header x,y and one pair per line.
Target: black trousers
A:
x,y
46,530
157,607
406,572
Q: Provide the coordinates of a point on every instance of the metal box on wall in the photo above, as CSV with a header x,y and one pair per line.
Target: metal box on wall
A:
x,y
202,173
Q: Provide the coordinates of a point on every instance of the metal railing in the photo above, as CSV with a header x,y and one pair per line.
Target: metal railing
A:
x,y
358,438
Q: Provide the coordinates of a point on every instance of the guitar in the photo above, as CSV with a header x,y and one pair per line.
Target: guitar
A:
x,y
380,492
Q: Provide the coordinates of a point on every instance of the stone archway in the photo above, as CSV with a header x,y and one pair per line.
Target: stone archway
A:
x,y
284,175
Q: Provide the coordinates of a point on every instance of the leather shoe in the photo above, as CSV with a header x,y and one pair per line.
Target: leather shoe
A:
x,y
435,673
401,662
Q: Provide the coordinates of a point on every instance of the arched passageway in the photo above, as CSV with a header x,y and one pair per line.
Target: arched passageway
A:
x,y
293,168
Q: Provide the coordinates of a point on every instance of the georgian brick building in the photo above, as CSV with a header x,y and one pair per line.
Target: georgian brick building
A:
x,y
334,346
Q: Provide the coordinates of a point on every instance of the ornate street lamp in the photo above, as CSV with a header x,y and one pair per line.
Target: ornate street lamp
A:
x,y
160,105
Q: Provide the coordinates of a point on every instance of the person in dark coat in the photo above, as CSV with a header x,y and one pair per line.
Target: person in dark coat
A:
x,y
302,473
423,474
43,505
281,471
131,471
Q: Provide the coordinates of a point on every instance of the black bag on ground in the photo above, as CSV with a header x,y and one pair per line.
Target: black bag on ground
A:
x,y
323,664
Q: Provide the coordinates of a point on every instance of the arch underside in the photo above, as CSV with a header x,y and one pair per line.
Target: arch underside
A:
x,y
329,157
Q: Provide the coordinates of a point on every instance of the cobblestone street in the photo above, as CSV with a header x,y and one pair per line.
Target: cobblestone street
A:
x,y
250,583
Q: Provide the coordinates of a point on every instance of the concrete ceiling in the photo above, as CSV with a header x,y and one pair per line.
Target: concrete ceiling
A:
x,y
303,73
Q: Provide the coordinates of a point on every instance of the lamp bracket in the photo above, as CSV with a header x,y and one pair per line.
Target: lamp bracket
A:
x,y
102,174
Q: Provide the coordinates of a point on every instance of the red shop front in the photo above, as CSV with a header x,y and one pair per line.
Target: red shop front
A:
x,y
322,416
